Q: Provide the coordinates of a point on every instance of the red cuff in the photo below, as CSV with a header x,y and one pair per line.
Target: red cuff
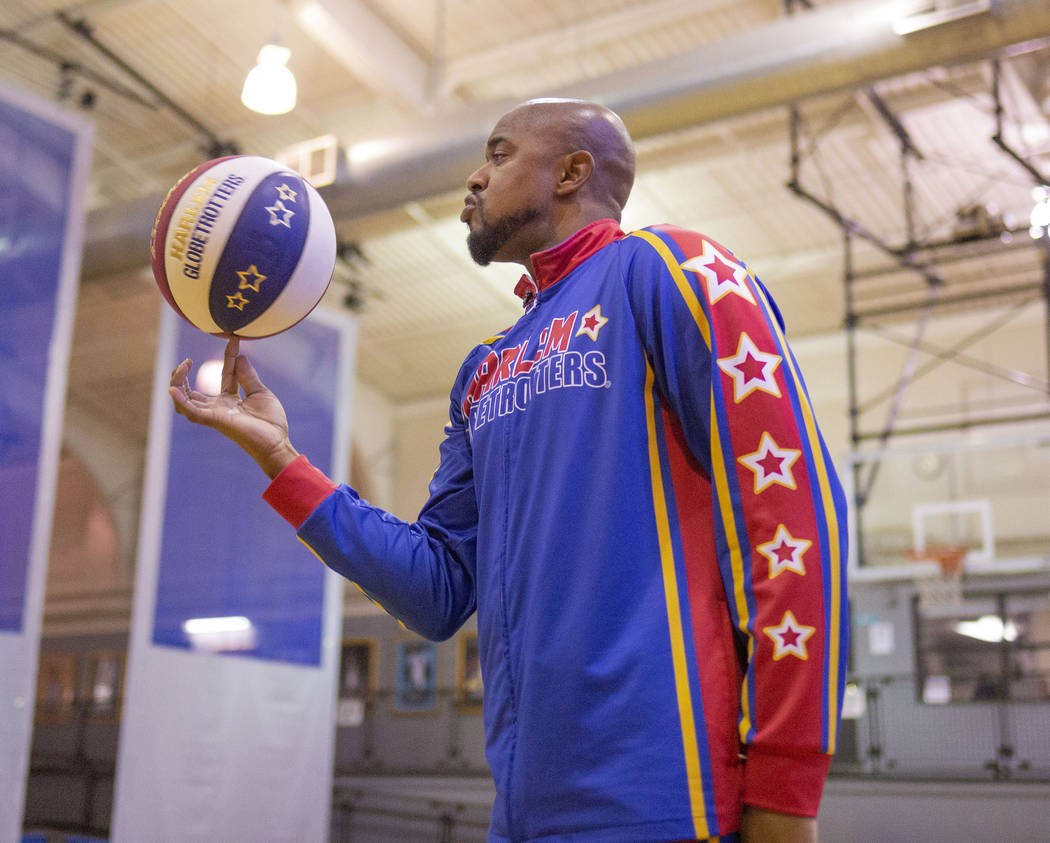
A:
x,y
298,490
790,784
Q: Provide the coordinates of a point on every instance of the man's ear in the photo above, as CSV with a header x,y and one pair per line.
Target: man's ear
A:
x,y
576,168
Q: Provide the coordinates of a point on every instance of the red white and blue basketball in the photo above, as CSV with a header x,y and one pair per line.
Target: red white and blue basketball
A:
x,y
243,246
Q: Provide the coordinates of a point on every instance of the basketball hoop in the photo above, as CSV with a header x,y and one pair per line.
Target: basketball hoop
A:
x,y
941,591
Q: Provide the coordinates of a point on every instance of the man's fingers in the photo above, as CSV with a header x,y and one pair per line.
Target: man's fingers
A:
x,y
179,375
229,364
179,398
193,405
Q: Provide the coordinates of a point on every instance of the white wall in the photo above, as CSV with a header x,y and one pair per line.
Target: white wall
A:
x,y
374,443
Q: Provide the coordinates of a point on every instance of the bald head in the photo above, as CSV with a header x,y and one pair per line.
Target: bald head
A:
x,y
551,168
567,126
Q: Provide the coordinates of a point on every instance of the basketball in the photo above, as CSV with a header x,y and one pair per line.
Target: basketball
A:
x,y
243,246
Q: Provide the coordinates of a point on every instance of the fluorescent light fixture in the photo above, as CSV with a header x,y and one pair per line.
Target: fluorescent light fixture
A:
x,y
203,626
213,635
270,87
988,628
937,12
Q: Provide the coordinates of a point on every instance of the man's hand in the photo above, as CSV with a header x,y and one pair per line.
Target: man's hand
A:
x,y
762,826
256,422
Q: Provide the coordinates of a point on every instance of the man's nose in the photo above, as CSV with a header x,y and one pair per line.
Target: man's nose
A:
x,y
477,180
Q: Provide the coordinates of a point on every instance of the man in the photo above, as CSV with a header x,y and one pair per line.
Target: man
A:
x,y
634,497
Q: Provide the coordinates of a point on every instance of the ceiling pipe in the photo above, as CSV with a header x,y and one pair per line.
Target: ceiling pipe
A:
x,y
831,48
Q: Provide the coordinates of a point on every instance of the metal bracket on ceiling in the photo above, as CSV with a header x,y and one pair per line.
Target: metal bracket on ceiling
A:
x,y
211,143
997,138
68,69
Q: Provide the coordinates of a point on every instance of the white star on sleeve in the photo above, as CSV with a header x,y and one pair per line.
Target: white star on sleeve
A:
x,y
723,275
785,552
771,464
746,381
789,638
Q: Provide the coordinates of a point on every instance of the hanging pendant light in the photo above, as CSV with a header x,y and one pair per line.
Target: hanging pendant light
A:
x,y
270,87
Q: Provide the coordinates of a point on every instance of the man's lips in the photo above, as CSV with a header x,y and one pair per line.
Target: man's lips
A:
x,y
469,205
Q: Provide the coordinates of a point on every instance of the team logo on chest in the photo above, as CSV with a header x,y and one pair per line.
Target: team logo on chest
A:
x,y
509,378
591,323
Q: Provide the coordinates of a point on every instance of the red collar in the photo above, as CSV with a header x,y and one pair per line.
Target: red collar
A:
x,y
553,264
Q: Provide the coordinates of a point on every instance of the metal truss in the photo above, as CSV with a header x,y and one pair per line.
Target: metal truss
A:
x,y
923,301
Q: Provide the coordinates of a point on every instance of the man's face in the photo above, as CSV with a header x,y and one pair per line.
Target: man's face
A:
x,y
510,194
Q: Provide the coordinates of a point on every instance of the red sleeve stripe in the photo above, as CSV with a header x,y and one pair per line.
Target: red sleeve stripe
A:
x,y
832,573
741,591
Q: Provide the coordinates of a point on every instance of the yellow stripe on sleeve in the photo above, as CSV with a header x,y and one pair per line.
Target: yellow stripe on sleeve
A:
x,y
680,281
674,618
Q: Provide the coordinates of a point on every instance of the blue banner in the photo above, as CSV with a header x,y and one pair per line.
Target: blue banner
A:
x,y
45,159
35,166
234,636
232,578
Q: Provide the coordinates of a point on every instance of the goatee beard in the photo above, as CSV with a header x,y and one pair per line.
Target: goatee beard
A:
x,y
487,240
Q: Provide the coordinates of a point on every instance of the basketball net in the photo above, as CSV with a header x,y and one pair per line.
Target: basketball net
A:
x,y
943,590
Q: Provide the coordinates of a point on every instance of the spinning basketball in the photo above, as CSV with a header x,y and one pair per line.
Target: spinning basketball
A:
x,y
243,246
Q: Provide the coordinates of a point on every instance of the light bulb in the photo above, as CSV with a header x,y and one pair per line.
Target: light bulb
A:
x,y
269,87
1040,218
209,377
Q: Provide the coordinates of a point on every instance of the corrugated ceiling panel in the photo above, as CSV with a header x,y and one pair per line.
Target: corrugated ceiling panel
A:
x,y
578,57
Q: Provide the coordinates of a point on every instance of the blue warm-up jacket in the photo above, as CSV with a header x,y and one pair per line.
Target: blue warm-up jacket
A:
x,y
634,496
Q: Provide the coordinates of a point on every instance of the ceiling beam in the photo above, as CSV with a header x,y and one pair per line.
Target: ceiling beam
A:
x,y
352,34
587,34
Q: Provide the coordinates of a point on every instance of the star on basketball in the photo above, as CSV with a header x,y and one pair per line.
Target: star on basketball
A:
x,y
279,215
237,300
592,322
286,193
722,275
771,464
251,278
785,552
751,369
789,638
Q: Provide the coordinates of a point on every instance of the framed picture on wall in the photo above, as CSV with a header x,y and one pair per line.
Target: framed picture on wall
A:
x,y
56,687
469,685
415,686
105,684
357,680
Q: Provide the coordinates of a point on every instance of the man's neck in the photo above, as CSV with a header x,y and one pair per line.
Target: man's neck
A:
x,y
567,221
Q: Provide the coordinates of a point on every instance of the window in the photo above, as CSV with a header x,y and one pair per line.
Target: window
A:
x,y
991,647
